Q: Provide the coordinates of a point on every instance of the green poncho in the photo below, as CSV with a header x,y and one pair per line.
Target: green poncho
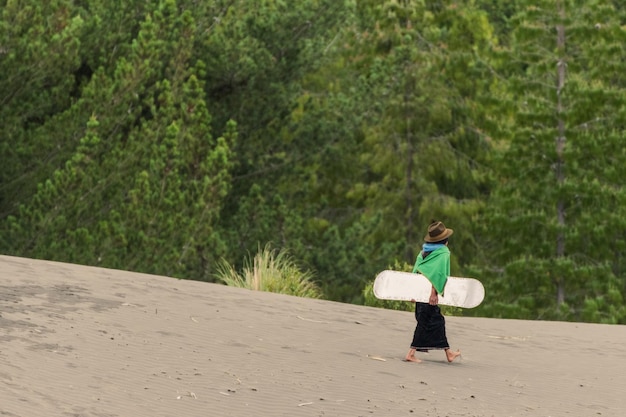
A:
x,y
436,267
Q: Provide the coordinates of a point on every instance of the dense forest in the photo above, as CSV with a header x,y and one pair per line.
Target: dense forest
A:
x,y
168,136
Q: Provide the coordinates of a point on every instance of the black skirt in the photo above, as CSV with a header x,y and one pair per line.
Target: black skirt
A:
x,y
430,332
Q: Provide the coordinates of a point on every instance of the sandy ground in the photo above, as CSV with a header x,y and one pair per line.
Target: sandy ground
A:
x,y
81,341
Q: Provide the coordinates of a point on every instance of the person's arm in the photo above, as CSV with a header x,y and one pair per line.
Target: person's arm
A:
x,y
434,297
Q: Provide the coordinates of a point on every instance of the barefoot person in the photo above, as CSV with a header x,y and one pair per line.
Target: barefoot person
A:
x,y
434,263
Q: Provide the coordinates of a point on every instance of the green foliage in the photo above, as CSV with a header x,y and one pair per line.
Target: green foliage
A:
x,y
270,270
39,52
418,158
143,188
554,221
164,136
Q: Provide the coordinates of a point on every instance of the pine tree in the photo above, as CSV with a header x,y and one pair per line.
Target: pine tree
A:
x,y
556,220
39,52
421,152
144,188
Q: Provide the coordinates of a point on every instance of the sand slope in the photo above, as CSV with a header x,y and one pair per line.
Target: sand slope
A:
x,y
83,341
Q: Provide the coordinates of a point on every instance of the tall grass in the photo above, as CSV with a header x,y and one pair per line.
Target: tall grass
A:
x,y
272,271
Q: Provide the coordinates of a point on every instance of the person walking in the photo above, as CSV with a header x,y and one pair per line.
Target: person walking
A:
x,y
434,263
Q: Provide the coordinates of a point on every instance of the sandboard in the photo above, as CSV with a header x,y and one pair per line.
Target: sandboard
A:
x,y
459,292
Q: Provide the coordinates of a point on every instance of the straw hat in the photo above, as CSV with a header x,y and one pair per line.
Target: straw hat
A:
x,y
437,232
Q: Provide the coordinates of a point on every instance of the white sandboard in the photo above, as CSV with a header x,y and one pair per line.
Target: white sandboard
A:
x,y
459,292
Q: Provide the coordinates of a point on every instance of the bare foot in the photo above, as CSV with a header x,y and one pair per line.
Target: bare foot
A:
x,y
450,355
412,359
410,356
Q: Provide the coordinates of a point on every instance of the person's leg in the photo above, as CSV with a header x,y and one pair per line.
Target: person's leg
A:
x,y
410,356
438,331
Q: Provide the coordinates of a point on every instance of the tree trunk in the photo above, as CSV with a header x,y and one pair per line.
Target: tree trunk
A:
x,y
409,176
560,145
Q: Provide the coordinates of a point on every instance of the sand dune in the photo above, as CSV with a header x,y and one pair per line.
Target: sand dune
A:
x,y
83,341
